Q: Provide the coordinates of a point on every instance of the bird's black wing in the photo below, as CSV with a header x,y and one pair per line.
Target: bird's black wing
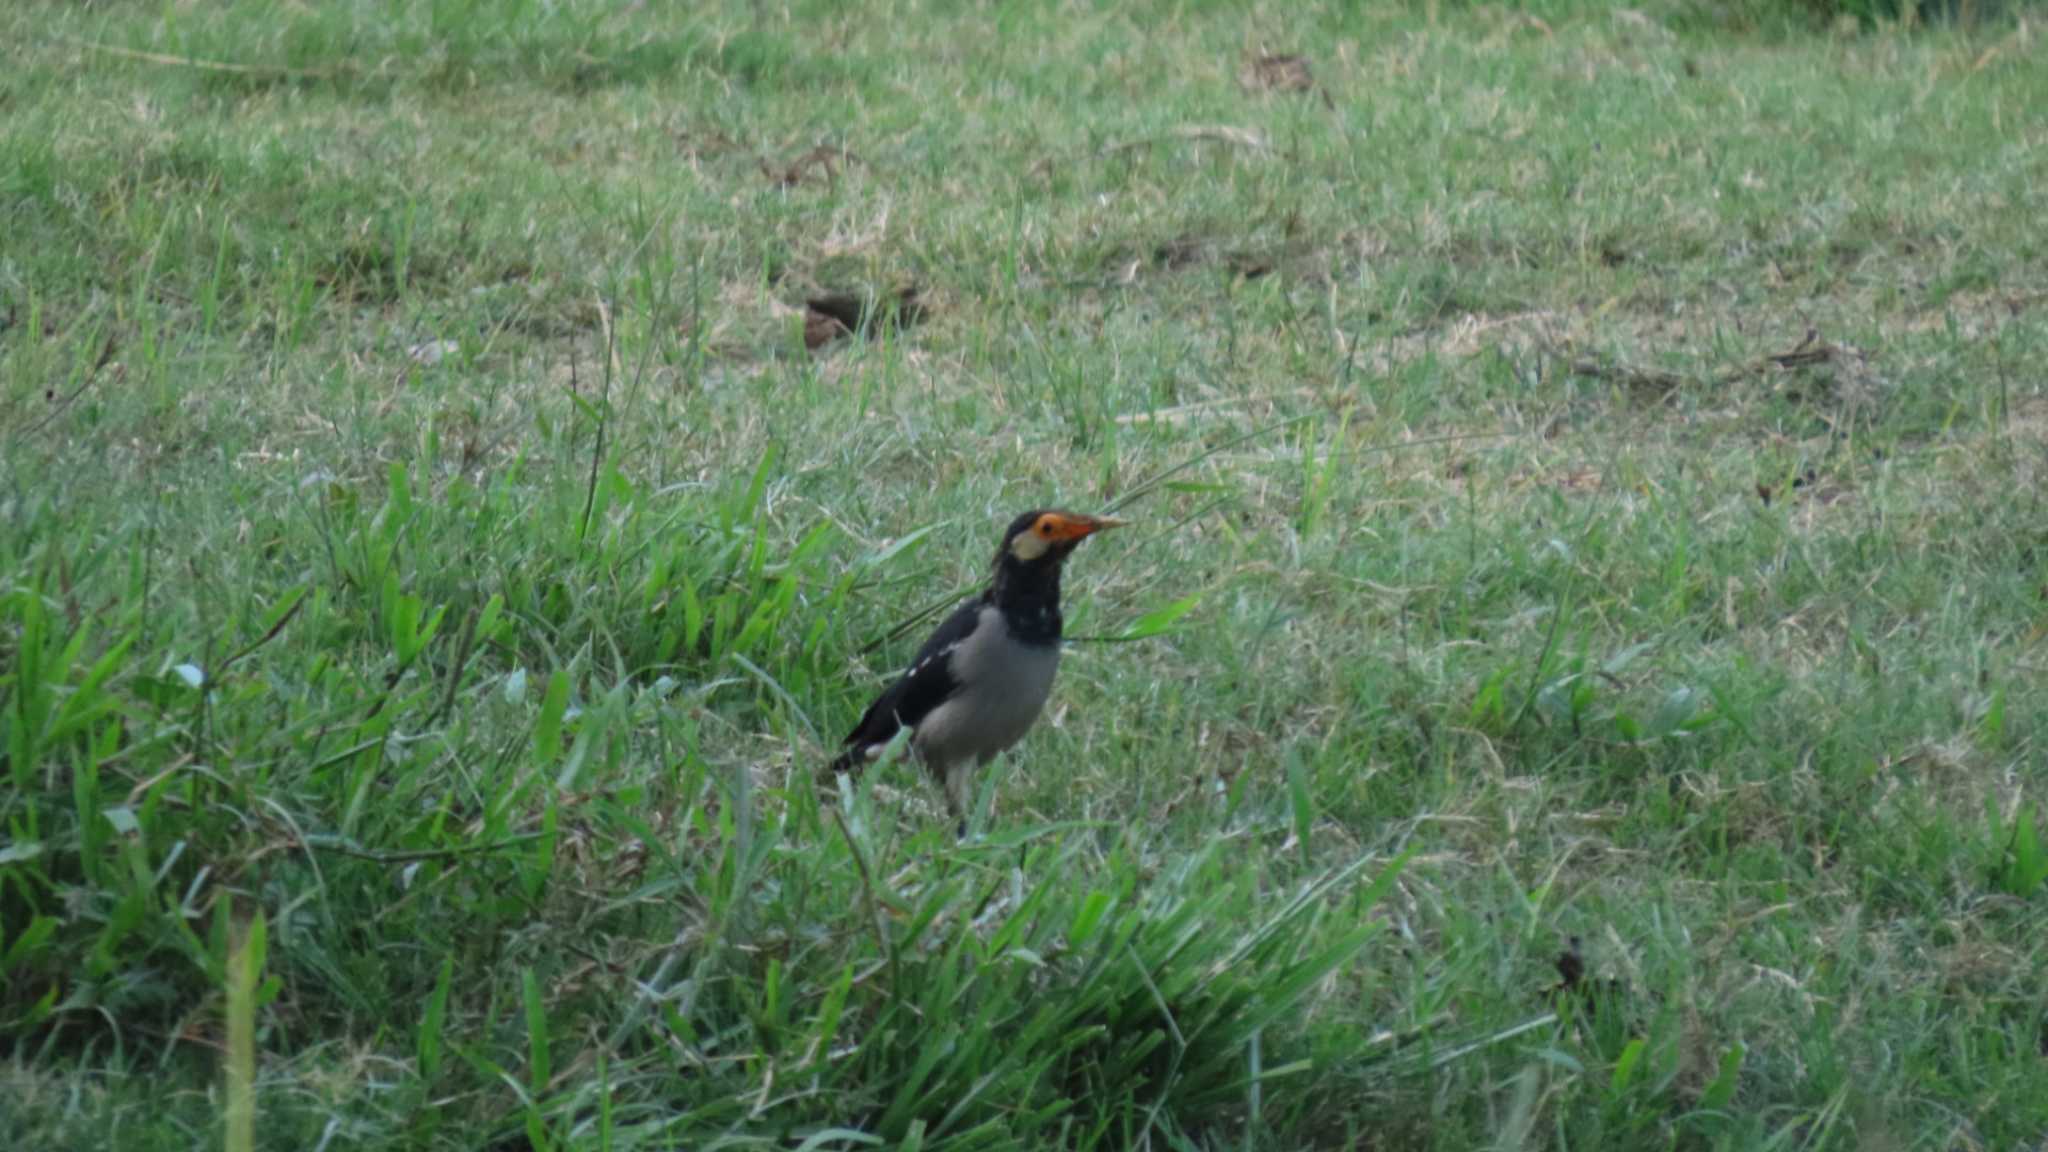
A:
x,y
925,685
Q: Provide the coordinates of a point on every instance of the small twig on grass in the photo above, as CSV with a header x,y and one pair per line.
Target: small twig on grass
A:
x,y
604,413
275,629
1558,612
204,65
1214,133
1395,446
355,853
1810,351
932,608
60,406
1150,484
1632,377
867,892
1180,1043
2004,400
465,646
1211,133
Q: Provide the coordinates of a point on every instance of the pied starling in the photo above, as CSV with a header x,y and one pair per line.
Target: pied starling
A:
x,y
981,680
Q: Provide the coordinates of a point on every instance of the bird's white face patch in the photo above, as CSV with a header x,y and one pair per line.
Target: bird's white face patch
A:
x,y
1029,546
1033,544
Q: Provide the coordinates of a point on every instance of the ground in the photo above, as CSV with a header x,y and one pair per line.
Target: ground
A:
x,y
1576,677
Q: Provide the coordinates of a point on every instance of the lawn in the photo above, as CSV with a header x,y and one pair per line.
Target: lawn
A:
x,y
1578,675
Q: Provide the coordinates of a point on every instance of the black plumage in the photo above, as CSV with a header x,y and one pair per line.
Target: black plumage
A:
x,y
908,699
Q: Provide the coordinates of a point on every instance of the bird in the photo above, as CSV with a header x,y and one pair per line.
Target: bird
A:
x,y
978,684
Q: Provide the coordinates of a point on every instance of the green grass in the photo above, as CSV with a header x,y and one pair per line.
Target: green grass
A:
x,y
433,572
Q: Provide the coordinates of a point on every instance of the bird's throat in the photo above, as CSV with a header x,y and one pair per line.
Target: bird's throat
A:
x,y
1028,596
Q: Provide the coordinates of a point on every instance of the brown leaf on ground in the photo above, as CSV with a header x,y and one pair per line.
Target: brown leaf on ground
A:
x,y
1571,966
1249,260
824,157
1277,73
702,143
1283,72
821,329
1180,252
1810,486
1572,981
835,314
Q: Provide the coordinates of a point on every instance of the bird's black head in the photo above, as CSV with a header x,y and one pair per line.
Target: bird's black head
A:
x,y
1042,538
1027,570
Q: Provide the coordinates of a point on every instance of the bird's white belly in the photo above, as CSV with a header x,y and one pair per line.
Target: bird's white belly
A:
x,y
1004,686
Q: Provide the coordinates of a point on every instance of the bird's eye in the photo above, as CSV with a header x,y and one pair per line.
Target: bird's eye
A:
x,y
1045,527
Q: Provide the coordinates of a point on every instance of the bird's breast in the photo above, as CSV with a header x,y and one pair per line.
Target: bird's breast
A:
x,y
1004,683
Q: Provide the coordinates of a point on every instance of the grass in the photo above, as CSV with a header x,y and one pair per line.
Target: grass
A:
x,y
433,569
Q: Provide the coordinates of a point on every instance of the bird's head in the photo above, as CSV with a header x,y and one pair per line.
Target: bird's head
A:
x,y
1045,537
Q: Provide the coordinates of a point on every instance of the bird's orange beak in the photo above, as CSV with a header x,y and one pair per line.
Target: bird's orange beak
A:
x,y
1074,526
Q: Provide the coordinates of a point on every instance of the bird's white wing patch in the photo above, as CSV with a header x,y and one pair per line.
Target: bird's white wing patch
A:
x,y
941,654
880,748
